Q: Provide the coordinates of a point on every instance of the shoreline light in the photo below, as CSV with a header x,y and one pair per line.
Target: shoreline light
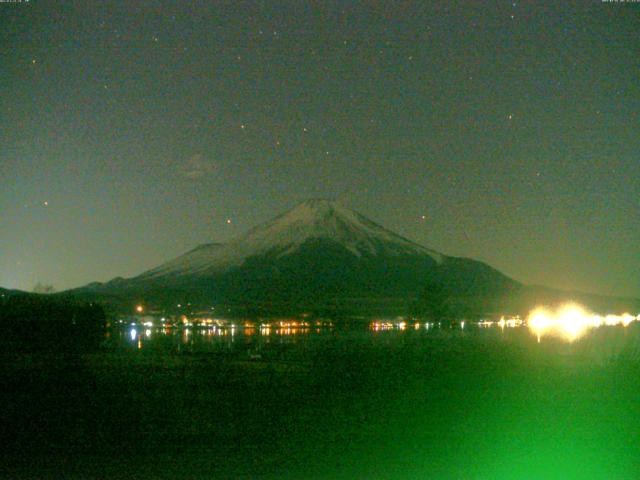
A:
x,y
571,321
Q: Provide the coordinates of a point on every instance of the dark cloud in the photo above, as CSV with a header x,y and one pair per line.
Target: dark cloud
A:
x,y
197,166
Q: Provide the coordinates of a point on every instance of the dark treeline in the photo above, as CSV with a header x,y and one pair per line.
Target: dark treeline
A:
x,y
32,323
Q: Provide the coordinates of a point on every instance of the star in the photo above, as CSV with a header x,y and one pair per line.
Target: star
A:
x,y
46,203
228,221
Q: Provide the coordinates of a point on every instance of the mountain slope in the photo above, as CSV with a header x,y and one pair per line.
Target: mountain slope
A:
x,y
325,258
286,234
319,256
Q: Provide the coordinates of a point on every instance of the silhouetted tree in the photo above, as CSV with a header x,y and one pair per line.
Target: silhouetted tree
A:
x,y
42,288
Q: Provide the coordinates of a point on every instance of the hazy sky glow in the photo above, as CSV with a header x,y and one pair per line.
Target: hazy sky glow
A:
x,y
133,131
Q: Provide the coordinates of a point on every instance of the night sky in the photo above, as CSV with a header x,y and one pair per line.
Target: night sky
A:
x,y
502,131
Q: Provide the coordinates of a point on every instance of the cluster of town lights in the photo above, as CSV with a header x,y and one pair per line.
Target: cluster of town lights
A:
x,y
571,321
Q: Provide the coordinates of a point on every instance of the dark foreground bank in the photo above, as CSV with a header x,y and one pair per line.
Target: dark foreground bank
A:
x,y
395,406
33,323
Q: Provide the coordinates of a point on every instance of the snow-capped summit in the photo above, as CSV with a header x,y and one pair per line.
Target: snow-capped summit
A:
x,y
324,219
312,220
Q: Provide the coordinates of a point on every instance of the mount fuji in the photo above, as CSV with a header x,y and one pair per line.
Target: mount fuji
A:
x,y
320,257
318,221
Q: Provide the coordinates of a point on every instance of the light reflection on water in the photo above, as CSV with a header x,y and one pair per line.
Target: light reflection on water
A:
x,y
571,322
260,341
216,337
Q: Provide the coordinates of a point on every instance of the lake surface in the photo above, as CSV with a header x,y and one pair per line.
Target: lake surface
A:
x,y
363,401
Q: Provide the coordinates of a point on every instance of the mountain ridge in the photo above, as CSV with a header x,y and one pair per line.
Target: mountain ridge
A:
x,y
287,232
323,257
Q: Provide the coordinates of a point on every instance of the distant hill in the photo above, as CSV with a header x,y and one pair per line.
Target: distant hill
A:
x,y
6,292
326,259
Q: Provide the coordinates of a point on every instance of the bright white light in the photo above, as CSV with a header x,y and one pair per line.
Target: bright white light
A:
x,y
133,334
571,321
